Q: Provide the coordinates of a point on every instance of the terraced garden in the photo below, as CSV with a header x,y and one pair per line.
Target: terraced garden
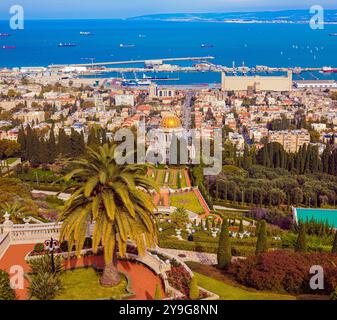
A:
x,y
187,200
175,180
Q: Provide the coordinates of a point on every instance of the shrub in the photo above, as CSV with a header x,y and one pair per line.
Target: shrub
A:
x,y
43,264
39,247
179,278
6,292
194,289
283,270
262,245
334,246
301,244
44,286
209,247
224,249
333,295
241,228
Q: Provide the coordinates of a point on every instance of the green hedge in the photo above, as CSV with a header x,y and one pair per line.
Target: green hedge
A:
x,y
208,247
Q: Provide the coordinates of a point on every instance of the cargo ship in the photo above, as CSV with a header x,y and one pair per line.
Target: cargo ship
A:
x,y
61,45
207,46
8,47
85,33
329,70
4,34
122,45
333,34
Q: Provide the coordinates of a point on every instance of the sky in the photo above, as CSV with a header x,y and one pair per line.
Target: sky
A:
x,y
76,9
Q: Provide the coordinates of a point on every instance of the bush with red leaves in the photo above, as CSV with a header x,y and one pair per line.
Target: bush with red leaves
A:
x,y
179,278
285,271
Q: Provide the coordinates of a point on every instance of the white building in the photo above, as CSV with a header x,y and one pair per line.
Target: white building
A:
x,y
161,141
319,126
315,84
124,100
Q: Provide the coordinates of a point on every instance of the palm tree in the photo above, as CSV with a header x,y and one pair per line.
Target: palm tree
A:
x,y
117,199
15,209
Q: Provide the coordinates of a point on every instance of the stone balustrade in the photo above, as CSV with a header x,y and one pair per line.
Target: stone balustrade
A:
x,y
4,243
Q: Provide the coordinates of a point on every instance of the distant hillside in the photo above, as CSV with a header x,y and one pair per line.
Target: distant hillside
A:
x,y
289,16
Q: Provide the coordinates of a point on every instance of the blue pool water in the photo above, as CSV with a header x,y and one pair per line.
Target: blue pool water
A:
x,y
319,215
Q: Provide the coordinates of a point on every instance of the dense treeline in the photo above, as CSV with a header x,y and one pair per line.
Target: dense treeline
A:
x,y
306,160
41,148
272,155
273,187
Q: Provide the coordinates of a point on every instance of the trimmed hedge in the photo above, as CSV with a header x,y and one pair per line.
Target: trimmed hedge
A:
x,y
189,245
285,271
239,249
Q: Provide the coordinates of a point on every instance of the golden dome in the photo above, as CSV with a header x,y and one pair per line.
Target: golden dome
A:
x,y
170,122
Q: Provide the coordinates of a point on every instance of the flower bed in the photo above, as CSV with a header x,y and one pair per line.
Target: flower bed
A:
x,y
179,278
285,271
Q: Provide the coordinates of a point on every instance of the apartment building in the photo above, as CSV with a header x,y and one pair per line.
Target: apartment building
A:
x,y
290,140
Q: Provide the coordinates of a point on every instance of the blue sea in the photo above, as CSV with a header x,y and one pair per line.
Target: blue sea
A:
x,y
275,45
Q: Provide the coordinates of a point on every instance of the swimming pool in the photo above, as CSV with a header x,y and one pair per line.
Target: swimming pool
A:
x,y
319,215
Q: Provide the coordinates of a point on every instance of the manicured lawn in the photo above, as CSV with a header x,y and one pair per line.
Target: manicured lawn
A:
x,y
173,178
83,284
228,292
183,182
160,177
187,200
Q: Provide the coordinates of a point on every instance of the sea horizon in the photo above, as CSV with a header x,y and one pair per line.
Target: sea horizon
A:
x,y
250,44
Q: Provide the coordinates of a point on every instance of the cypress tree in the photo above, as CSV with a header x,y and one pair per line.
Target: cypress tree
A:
x,y
93,140
257,229
224,249
334,246
301,244
22,141
207,226
241,229
52,145
262,241
64,143
326,228
6,292
29,143
194,289
246,160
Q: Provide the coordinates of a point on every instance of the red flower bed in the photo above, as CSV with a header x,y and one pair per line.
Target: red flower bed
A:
x,y
286,271
179,279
